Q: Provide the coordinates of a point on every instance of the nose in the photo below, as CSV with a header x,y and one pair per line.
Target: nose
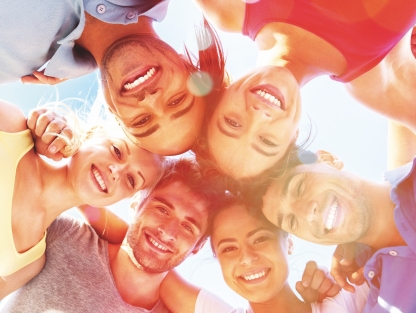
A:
x,y
248,256
307,210
150,97
169,230
115,171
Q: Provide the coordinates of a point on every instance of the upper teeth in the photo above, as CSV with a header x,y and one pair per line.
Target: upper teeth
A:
x,y
140,80
99,179
330,221
254,276
269,97
157,245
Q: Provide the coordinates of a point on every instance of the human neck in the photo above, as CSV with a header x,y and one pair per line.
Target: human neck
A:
x,y
286,302
98,35
136,287
382,231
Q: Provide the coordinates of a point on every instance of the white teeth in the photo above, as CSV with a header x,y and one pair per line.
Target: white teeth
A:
x,y
99,179
140,80
157,245
269,97
254,276
332,216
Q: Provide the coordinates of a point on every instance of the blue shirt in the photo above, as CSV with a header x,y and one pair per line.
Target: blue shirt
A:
x,y
38,32
391,272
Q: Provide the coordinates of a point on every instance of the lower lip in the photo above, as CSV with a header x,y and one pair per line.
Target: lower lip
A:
x,y
257,280
153,246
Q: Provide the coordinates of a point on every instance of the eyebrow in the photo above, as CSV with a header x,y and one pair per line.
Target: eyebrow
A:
x,y
183,111
170,206
127,146
148,132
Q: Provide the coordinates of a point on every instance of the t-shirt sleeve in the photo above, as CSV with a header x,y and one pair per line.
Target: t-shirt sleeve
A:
x,y
344,301
209,303
62,227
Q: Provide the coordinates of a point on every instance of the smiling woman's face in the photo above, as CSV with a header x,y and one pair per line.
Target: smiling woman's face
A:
x,y
252,253
255,122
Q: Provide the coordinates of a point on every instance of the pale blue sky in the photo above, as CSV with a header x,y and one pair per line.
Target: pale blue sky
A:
x,y
340,125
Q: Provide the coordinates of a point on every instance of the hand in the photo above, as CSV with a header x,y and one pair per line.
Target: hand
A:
x,y
316,284
41,78
344,269
42,123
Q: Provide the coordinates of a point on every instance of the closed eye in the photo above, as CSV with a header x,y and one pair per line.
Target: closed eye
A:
x,y
232,123
267,142
292,222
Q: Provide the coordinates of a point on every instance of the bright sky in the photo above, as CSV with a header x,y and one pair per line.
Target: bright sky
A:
x,y
352,132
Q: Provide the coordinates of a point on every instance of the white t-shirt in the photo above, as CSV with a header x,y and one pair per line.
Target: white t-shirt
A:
x,y
343,302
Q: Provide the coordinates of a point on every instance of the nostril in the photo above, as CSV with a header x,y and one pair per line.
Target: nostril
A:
x,y
153,92
256,107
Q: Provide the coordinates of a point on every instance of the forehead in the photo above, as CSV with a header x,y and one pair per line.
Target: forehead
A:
x,y
182,199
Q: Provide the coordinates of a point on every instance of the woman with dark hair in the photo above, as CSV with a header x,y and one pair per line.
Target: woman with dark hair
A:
x,y
364,44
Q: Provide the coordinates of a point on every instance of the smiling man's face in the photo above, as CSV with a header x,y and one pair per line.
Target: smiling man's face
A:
x,y
319,203
168,227
145,83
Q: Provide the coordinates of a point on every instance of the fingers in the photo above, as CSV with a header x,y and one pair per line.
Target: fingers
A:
x,y
44,126
41,78
343,265
308,273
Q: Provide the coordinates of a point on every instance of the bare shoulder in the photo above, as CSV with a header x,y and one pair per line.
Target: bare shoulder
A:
x,y
12,118
226,15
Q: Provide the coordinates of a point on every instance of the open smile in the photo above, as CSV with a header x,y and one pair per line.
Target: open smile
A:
x,y
269,95
99,180
139,79
157,245
255,277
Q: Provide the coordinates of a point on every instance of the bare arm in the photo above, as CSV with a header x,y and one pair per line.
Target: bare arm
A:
x,y
177,294
12,282
12,119
389,88
106,224
401,145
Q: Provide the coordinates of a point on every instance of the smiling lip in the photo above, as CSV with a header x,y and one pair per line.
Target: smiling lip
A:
x,y
269,95
333,216
139,79
99,179
157,245
255,276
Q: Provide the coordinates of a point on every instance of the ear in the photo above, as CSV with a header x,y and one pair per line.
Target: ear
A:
x,y
199,246
290,245
330,159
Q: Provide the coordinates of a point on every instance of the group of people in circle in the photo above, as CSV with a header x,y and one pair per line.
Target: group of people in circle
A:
x,y
250,185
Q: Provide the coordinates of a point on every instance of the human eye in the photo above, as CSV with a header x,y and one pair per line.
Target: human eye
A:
x,y
231,123
162,210
188,228
267,142
177,101
117,151
261,239
301,186
228,249
131,180
142,122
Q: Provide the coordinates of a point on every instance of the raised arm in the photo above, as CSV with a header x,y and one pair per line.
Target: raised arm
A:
x,y
108,225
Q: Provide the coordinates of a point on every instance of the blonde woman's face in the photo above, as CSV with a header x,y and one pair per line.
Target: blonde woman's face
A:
x,y
251,253
255,122
107,170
